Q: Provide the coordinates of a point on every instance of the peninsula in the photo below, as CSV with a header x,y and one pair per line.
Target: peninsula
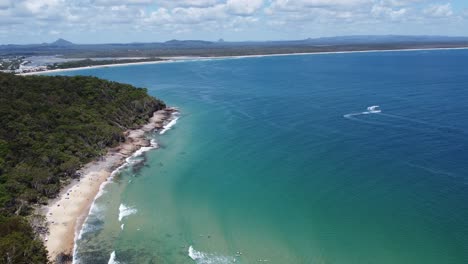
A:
x,y
60,139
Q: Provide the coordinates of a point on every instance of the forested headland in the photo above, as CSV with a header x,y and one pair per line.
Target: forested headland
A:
x,y
90,62
49,128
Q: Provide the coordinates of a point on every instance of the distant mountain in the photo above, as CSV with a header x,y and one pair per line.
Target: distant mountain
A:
x,y
380,39
61,42
176,42
227,48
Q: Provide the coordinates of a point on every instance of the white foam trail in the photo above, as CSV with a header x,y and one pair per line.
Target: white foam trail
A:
x,y
205,258
122,226
169,125
131,160
375,109
172,122
112,259
125,211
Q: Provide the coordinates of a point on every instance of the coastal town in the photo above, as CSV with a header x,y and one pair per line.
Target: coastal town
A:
x,y
34,64
19,64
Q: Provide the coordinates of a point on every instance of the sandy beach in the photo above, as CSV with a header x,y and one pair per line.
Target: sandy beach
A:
x,y
66,214
187,58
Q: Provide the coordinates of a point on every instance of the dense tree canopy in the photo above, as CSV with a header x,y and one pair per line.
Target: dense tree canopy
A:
x,y
90,62
50,126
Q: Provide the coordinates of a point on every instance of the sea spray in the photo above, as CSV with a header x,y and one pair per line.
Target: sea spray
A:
x,y
206,258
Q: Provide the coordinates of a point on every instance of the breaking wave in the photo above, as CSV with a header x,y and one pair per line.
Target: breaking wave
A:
x,y
168,126
112,259
206,258
125,211
95,210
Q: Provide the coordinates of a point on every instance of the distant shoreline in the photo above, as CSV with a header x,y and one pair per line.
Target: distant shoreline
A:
x,y
66,214
189,58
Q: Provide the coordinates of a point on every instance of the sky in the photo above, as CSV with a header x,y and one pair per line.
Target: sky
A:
x,y
124,21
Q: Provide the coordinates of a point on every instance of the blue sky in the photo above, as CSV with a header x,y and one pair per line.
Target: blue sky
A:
x,y
105,21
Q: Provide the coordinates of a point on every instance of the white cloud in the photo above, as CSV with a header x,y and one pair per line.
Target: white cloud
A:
x,y
197,15
383,11
41,6
188,3
243,7
122,2
193,17
298,5
439,10
4,4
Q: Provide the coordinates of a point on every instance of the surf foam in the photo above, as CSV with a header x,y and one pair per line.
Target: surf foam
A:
x,y
95,209
128,161
112,259
168,126
125,211
206,258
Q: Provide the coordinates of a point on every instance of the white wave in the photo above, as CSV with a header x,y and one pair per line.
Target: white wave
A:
x,y
175,117
94,210
97,212
153,145
206,258
122,226
125,211
112,259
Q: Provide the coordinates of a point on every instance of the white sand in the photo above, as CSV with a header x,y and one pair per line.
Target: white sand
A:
x,y
188,58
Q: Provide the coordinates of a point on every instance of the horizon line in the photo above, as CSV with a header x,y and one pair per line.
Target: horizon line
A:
x,y
221,40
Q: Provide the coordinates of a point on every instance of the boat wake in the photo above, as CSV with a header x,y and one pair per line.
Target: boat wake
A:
x,y
206,258
375,109
417,124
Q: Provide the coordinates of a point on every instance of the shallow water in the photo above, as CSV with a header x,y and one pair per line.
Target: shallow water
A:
x,y
278,160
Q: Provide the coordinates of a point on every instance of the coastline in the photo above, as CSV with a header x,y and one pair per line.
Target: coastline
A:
x,y
66,214
188,58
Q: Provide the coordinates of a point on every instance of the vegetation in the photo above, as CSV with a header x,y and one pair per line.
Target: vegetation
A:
x,y
50,126
90,62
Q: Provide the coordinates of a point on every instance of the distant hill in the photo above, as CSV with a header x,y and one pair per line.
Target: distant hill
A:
x,y
61,42
373,39
188,43
227,48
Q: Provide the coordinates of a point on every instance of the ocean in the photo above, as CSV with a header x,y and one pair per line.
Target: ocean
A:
x,y
284,159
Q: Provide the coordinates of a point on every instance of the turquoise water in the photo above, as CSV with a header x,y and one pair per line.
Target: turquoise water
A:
x,y
278,160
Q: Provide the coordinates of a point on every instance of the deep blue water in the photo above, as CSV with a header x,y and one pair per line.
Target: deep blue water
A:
x,y
274,158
